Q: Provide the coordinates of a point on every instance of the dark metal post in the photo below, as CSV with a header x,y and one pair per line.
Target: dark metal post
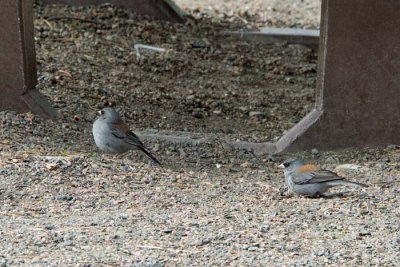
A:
x,y
17,60
358,89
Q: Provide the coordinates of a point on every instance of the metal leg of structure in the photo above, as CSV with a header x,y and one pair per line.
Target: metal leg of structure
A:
x,y
358,84
18,62
160,9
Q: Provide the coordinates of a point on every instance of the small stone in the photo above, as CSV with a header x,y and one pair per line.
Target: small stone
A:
x,y
288,79
182,153
331,160
49,227
364,233
65,198
198,114
245,165
167,230
256,114
322,252
314,151
52,166
68,243
227,146
156,148
243,109
205,242
123,216
273,158
352,167
252,248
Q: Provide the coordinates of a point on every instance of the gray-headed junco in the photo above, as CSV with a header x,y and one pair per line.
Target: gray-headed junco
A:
x,y
112,135
308,179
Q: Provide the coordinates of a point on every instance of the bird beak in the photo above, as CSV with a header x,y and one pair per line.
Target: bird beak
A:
x,y
99,112
281,166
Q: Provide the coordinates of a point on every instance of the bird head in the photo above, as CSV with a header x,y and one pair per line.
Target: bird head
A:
x,y
291,164
109,114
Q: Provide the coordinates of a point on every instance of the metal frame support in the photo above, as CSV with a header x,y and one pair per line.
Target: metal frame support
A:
x,y
18,62
358,79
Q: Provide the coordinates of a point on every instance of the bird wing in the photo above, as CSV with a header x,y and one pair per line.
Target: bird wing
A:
x,y
319,176
122,131
133,139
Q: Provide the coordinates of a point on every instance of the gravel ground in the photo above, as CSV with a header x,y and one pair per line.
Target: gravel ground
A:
x,y
300,14
64,204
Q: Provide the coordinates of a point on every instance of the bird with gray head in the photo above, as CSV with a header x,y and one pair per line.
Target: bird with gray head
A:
x,y
308,179
112,135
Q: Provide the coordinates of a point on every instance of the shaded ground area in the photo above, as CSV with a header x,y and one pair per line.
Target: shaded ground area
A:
x,y
63,204
203,83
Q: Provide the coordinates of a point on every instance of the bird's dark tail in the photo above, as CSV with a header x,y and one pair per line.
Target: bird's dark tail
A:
x,y
148,154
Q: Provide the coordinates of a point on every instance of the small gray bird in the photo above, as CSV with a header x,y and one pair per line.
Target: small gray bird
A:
x,y
112,135
308,179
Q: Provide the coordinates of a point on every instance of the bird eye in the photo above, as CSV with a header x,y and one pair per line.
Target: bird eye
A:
x,y
286,164
102,112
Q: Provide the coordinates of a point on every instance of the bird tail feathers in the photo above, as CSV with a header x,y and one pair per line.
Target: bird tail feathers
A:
x,y
149,155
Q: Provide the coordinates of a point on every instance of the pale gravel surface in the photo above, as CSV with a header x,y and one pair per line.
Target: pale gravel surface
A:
x,y
62,204
299,13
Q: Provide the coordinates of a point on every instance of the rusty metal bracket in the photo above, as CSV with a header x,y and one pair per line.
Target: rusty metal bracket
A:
x,y
18,61
159,9
358,79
